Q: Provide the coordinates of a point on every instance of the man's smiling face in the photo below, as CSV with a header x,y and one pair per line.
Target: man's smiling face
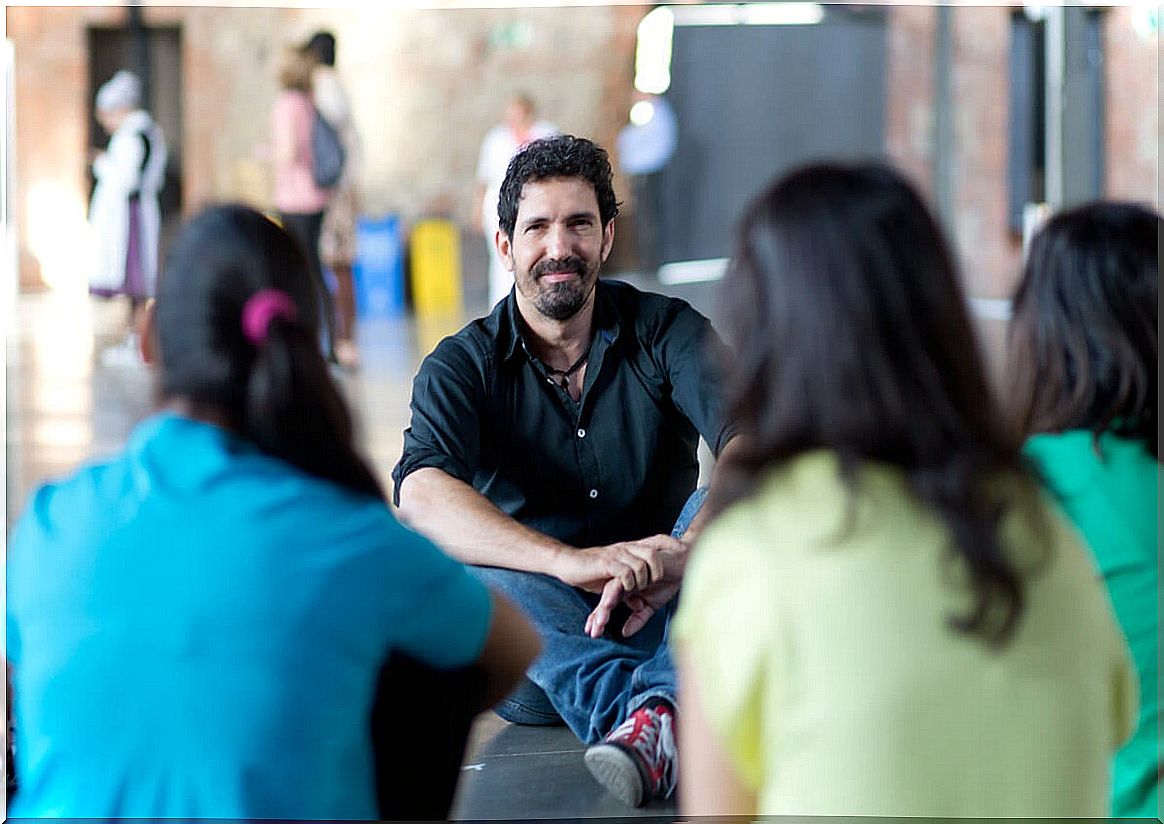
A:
x,y
558,245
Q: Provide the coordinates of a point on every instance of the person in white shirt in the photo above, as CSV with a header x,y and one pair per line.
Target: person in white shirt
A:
x,y
501,143
645,147
124,214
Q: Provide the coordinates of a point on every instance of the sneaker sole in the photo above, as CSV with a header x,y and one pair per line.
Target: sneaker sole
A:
x,y
616,770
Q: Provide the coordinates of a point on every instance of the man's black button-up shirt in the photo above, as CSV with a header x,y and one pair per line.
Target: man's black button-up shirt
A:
x,y
616,465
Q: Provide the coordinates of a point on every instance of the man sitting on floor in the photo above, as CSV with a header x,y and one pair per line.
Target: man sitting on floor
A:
x,y
553,446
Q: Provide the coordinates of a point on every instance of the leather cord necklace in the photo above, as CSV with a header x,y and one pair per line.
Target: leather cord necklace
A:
x,y
564,380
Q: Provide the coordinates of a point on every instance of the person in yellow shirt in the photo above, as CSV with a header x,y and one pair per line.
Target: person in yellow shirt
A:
x,y
885,616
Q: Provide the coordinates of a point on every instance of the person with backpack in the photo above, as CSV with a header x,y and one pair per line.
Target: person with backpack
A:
x,y
298,199
124,213
224,620
335,139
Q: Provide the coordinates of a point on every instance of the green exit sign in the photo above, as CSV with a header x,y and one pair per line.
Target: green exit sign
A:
x,y
515,35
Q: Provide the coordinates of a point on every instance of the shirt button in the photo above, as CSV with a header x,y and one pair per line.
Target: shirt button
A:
x,y
593,493
581,433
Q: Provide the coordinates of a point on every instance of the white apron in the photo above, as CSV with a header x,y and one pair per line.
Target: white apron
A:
x,y
119,173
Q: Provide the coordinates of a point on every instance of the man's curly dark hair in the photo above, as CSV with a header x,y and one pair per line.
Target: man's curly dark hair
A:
x,y
562,155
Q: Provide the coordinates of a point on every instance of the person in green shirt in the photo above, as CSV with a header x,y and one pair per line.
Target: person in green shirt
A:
x,y
1084,381
885,615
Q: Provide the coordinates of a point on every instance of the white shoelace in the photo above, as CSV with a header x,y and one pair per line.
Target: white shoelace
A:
x,y
654,743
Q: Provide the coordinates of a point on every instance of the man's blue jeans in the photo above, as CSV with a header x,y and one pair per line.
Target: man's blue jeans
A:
x,y
590,684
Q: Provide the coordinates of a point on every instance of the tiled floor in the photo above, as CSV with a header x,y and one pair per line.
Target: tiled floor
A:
x,y
65,407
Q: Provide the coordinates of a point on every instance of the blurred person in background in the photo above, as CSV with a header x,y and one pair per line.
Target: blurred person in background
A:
x,y
299,201
645,147
501,143
884,616
337,244
1084,383
225,620
124,212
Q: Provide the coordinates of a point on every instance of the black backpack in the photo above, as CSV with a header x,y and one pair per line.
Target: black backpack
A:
x,y
327,152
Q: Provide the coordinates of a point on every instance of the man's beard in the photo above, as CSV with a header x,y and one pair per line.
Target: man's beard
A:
x,y
560,301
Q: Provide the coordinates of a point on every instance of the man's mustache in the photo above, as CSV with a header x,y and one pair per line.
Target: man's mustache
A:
x,y
573,264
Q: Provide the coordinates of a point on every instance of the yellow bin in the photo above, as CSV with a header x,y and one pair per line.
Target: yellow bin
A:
x,y
436,266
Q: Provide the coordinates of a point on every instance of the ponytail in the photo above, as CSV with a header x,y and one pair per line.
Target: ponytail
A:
x,y
293,410
236,323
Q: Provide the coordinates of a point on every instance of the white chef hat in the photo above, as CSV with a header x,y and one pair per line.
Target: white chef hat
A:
x,y
122,91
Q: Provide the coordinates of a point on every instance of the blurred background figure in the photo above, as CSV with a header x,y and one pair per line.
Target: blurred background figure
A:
x,y
882,567
337,243
1083,364
298,199
645,146
501,143
124,211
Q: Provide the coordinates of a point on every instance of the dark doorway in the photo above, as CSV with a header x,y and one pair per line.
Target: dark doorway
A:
x,y
111,49
755,100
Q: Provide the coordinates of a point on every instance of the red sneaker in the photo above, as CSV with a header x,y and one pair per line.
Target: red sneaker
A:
x,y
637,762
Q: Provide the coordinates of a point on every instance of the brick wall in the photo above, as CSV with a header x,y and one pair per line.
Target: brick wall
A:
x,y
1133,110
909,120
989,256
427,83
50,83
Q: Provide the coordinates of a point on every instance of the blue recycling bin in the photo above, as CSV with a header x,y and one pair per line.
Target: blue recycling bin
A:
x,y
378,270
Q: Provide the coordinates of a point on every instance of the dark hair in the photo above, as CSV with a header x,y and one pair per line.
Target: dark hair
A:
x,y
1083,337
562,155
850,334
277,394
295,71
321,46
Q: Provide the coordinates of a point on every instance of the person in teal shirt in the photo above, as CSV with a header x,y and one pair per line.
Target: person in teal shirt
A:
x,y
204,626
1084,380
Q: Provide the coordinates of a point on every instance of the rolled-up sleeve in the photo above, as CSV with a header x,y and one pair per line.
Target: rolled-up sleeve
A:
x,y
695,358
445,429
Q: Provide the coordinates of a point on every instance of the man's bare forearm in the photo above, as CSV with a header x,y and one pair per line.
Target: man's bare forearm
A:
x,y
470,528
466,525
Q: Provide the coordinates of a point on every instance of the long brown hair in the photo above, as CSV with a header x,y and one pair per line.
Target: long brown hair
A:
x,y
851,334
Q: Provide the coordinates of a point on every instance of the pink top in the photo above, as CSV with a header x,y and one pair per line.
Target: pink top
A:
x,y
295,189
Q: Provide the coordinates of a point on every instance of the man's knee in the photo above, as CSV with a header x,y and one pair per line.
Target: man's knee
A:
x,y
528,704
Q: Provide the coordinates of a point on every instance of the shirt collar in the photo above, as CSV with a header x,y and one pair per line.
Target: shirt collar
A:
x,y
508,327
606,321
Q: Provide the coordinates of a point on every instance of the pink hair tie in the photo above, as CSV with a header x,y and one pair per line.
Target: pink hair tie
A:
x,y
260,308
